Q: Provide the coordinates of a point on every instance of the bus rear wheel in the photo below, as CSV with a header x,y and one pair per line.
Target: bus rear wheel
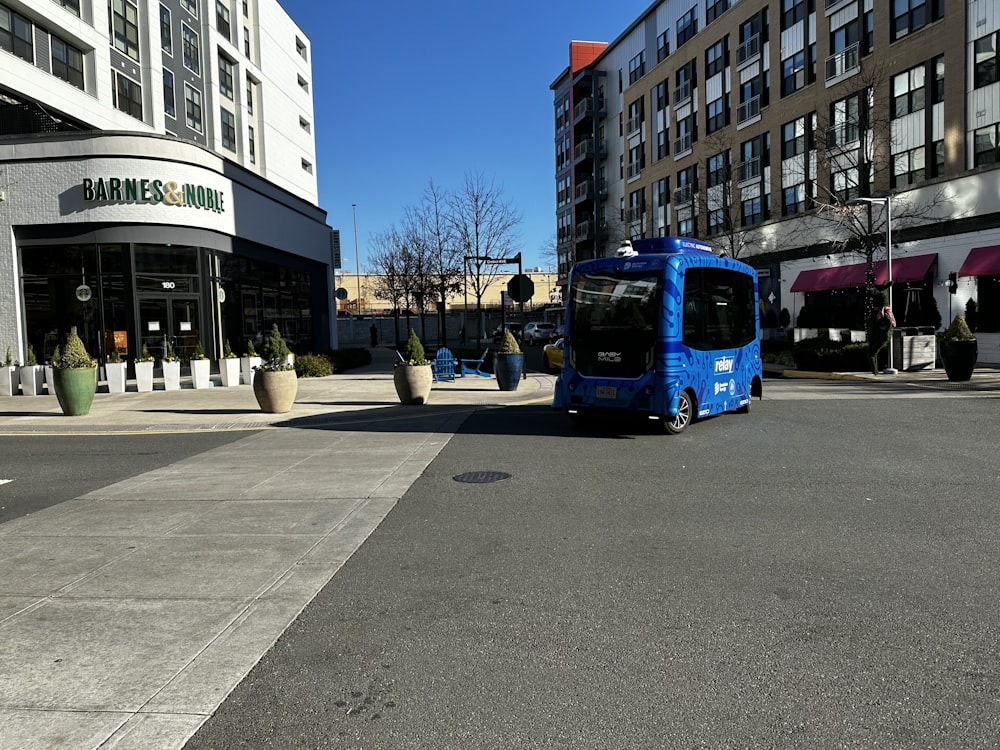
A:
x,y
685,413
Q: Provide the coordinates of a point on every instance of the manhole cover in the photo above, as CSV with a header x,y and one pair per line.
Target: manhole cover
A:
x,y
481,477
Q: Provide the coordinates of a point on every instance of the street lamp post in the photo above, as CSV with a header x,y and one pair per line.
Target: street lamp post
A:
x,y
357,261
887,202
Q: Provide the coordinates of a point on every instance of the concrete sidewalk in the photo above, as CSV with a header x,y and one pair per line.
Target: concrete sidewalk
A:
x,y
128,615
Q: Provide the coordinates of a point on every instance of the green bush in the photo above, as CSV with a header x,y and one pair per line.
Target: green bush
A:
x,y
508,344
73,353
413,350
274,352
312,366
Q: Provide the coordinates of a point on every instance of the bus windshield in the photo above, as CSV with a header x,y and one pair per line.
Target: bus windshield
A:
x,y
614,317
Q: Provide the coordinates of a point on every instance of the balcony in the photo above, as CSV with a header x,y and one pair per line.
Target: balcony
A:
x,y
845,62
682,94
748,110
587,149
748,52
682,144
583,108
634,170
683,195
584,230
634,125
749,170
634,213
842,135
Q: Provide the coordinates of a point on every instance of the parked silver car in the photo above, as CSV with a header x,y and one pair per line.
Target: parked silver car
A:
x,y
537,332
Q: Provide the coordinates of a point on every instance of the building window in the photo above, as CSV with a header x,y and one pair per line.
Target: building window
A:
x,y
717,114
192,108
251,145
128,96
908,167
717,57
718,169
909,91
846,116
300,47
793,11
246,41
222,20
794,200
986,145
191,6
844,184
125,27
169,100
910,15
687,26
307,166
250,97
166,34
304,124
67,62
716,221
303,84
228,120
636,68
687,134
714,9
226,76
796,138
755,210
73,6
755,156
985,53
685,81
662,46
793,73
192,54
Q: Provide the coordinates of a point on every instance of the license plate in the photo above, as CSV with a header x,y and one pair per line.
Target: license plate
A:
x,y
606,391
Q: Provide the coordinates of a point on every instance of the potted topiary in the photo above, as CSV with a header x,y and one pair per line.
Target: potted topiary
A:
x,y
74,374
144,371
201,368
412,375
114,371
32,375
275,383
10,379
959,350
171,367
249,363
229,366
508,362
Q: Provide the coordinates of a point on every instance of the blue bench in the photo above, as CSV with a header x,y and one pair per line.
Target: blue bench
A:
x,y
473,366
443,365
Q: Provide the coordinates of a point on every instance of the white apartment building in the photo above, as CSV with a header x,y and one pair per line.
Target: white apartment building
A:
x,y
782,131
158,178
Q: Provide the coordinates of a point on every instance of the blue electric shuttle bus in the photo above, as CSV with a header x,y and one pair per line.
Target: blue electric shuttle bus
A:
x,y
666,328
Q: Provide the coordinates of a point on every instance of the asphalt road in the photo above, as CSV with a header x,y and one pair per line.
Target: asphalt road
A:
x,y
44,470
821,573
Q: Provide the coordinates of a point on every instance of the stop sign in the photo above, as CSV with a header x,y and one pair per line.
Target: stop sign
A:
x,y
520,288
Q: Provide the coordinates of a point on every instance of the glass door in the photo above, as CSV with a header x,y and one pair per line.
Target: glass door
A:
x,y
169,320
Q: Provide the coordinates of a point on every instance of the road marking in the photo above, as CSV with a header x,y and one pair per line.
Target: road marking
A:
x,y
4,481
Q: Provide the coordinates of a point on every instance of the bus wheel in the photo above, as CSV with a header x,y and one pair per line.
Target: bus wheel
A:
x,y
685,410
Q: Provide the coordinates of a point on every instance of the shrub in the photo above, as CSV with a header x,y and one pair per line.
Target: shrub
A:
x,y
508,344
251,352
73,353
145,356
32,360
274,352
413,350
199,351
313,366
958,330
227,352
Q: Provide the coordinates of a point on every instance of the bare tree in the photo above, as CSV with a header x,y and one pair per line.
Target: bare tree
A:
x,y
485,225
394,270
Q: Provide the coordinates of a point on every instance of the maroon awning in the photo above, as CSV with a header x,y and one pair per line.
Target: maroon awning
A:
x,y
982,261
907,268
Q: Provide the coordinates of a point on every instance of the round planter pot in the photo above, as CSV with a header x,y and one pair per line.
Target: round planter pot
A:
x,y
508,368
959,358
275,390
413,383
75,389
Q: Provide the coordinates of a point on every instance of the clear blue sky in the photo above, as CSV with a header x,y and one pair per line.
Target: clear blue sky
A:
x,y
408,92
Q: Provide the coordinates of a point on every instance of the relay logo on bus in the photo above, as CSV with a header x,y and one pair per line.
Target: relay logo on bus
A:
x,y
141,190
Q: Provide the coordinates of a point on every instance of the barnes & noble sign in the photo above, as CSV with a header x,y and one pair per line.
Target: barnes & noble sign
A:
x,y
135,190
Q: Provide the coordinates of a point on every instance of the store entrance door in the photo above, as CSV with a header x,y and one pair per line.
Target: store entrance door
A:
x,y
169,320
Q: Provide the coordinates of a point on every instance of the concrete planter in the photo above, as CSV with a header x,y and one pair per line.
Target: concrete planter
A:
x,y
32,380
229,371
10,380
114,373
275,390
144,376
201,373
171,375
413,383
75,388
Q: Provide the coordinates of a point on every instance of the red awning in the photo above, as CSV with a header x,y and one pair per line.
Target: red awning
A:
x,y
982,261
907,268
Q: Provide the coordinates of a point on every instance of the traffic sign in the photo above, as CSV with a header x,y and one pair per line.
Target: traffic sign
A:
x,y
520,288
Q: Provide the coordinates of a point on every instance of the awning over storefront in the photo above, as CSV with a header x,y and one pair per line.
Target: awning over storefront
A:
x,y
907,268
982,261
